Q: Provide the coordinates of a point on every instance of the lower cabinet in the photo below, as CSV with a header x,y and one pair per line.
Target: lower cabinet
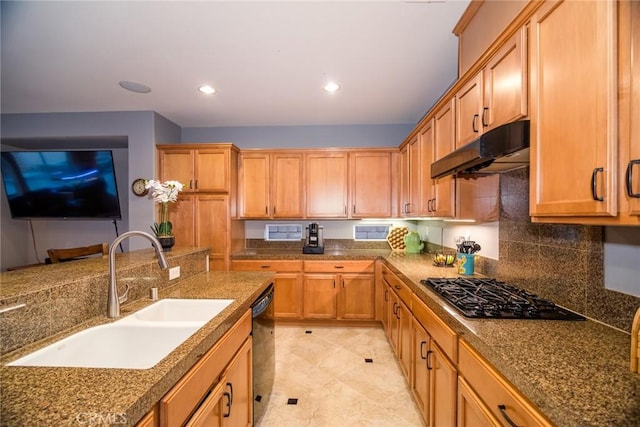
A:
x,y
485,398
287,301
399,331
342,290
217,390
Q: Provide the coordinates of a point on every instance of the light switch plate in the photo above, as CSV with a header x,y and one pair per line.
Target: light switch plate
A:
x,y
174,272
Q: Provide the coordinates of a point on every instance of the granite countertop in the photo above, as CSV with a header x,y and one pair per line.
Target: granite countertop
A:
x,y
296,254
45,396
576,372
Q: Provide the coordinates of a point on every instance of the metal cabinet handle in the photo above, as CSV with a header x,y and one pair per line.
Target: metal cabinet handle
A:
x,y
594,185
196,184
338,266
423,346
265,266
429,366
503,412
473,123
630,192
231,393
228,396
433,205
429,205
190,184
484,111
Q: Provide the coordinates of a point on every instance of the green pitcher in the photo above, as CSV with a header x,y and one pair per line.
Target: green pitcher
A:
x,y
412,243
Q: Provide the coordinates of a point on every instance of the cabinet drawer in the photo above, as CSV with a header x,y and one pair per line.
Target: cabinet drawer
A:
x,y
267,265
182,399
502,399
439,331
398,286
365,266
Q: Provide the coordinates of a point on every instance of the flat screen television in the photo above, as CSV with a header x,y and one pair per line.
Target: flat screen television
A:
x,y
59,184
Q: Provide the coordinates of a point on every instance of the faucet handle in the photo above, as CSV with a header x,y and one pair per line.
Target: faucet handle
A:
x,y
124,296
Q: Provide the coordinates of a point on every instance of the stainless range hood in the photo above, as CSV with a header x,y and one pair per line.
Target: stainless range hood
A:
x,y
499,150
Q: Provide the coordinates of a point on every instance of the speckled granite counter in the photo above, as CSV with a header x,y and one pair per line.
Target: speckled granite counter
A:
x,y
577,373
34,396
329,254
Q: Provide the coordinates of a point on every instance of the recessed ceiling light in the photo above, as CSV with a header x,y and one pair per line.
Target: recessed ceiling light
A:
x,y
207,90
134,87
331,87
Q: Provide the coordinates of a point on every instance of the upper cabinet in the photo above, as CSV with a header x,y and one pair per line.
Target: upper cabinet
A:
x,y
199,169
573,109
410,157
495,95
444,133
271,184
327,184
370,184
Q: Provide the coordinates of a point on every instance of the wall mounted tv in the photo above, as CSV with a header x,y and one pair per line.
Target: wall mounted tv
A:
x,y
61,184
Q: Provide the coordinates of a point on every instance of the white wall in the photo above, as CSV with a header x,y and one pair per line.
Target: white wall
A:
x,y
622,259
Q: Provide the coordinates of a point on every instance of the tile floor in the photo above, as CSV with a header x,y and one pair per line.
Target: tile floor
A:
x,y
326,371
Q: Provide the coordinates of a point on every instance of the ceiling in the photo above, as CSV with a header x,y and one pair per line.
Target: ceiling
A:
x,y
267,60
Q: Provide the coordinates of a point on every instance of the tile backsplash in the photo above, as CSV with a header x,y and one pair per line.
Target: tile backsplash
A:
x,y
564,263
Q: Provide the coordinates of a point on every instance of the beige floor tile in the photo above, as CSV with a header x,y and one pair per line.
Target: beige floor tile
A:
x,y
326,371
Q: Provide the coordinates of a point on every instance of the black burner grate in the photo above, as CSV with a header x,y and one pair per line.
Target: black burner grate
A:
x,y
489,298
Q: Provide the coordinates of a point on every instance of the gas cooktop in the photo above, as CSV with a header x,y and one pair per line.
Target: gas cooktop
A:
x,y
491,299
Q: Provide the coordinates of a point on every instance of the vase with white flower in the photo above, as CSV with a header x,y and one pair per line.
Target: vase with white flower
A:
x,y
164,193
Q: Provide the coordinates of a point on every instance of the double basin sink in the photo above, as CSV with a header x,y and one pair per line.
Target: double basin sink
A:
x,y
138,341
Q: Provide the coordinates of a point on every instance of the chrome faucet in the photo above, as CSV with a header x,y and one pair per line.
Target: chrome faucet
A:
x,y
113,299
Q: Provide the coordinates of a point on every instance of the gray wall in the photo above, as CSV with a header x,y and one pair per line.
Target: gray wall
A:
x,y
138,127
303,136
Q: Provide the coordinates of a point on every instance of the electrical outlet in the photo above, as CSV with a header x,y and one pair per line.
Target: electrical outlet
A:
x,y
174,272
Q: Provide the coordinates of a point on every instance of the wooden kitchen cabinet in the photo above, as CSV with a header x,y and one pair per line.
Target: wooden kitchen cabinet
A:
x,y
287,300
400,318
271,184
438,195
204,221
326,182
493,394
434,374
370,184
199,168
411,189
229,361
471,411
573,109
495,95
342,290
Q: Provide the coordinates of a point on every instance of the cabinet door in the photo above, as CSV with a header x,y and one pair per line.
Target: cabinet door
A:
x,y
468,121
505,83
182,216
472,412
386,303
212,170
632,164
326,181
287,302
356,298
212,228
239,387
319,297
405,182
573,109
404,336
286,186
178,165
254,185
370,184
444,143
419,372
444,378
394,322
210,412
427,190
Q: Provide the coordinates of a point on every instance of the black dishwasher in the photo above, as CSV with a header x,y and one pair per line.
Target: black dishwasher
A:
x,y
264,357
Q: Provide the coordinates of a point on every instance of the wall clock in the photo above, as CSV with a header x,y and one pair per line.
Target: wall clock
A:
x,y
138,187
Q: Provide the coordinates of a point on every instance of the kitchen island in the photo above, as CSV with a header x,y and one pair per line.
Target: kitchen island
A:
x,y
39,396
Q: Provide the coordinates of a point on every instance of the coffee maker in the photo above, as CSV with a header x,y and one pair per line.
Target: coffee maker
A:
x,y
314,243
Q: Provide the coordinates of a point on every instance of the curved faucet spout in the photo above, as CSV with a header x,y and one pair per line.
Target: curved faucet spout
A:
x,y
113,300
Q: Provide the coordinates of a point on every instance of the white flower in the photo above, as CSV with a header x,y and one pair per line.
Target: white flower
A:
x,y
164,192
